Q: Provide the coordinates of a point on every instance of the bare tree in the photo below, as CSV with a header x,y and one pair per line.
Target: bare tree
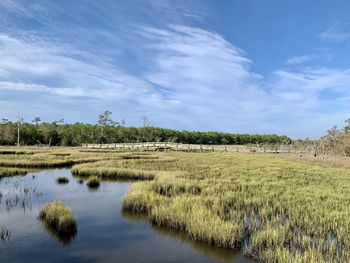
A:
x,y
146,124
20,121
105,119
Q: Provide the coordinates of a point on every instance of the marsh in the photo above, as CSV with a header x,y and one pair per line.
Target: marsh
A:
x,y
104,232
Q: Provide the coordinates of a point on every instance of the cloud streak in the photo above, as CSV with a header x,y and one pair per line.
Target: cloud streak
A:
x,y
203,72
299,59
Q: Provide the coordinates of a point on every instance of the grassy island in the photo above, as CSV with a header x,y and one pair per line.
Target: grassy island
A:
x,y
58,217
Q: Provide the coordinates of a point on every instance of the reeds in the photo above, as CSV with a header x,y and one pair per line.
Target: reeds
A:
x,y
5,234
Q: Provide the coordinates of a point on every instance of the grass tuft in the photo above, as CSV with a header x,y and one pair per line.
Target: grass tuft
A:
x,y
62,180
58,217
93,182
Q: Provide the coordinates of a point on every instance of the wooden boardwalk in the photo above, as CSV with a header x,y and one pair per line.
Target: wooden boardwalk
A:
x,y
163,146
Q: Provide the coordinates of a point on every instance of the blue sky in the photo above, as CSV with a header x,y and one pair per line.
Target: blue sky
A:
x,y
235,66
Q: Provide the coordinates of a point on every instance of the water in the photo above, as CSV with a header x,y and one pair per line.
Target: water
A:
x,y
105,234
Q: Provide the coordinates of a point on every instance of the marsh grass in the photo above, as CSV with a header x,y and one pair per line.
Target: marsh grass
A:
x,y
93,182
10,152
275,208
62,180
48,157
113,169
4,171
58,218
130,166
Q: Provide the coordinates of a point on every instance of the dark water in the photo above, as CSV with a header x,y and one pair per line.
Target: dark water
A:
x,y
105,234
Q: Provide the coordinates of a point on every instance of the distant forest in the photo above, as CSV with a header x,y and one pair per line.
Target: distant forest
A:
x,y
107,131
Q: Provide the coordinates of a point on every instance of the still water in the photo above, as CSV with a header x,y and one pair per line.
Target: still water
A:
x,y
105,234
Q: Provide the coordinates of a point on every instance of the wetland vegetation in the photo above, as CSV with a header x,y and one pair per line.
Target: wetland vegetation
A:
x,y
274,208
93,181
58,217
5,171
62,180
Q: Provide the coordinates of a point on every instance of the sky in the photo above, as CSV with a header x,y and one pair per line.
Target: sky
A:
x,y
240,66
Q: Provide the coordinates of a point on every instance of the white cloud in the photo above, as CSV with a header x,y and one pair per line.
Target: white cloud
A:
x,y
314,80
209,76
312,94
336,33
300,59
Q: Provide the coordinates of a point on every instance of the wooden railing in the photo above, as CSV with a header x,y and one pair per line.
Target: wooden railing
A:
x,y
153,146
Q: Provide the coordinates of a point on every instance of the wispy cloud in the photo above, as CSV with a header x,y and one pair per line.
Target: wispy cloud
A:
x,y
171,68
210,77
37,64
300,59
312,92
314,80
38,72
336,33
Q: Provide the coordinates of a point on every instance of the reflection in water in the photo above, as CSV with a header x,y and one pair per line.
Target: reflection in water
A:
x,y
93,189
220,254
63,238
81,179
134,217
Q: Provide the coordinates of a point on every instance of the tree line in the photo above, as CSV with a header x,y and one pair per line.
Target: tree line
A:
x,y
106,130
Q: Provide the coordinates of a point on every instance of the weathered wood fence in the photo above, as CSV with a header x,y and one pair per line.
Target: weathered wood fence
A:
x,y
159,146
